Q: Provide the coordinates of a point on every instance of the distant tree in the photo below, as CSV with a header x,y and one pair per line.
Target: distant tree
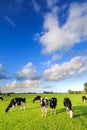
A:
x,y
47,92
70,91
85,87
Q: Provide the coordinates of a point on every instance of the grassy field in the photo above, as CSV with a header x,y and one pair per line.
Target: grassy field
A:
x,y
31,118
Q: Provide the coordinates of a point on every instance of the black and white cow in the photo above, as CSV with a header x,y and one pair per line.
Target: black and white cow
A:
x,y
1,97
36,98
16,102
43,104
84,98
53,104
67,103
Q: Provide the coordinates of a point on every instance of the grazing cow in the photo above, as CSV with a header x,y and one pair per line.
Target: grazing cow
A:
x,y
36,98
84,99
43,104
53,104
16,102
67,103
1,98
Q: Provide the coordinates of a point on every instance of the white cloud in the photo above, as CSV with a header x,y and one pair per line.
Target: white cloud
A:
x,y
56,57
83,69
14,86
11,85
27,80
24,84
31,83
27,72
65,37
47,63
74,67
50,62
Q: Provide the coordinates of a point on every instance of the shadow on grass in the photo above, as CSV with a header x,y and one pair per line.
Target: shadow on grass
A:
x,y
60,110
80,111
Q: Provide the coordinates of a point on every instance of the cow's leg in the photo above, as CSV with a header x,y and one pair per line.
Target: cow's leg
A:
x,y
22,106
13,107
54,110
45,112
71,113
84,101
67,109
42,110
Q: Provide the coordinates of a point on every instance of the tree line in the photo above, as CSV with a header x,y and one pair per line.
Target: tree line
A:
x,y
79,92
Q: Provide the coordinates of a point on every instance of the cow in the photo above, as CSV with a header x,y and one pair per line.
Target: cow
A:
x,y
84,99
1,97
16,102
43,104
36,98
67,103
53,104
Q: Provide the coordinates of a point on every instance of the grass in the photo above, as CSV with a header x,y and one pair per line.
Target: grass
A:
x,y
31,118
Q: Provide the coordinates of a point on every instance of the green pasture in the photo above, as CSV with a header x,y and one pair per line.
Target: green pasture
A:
x,y
31,119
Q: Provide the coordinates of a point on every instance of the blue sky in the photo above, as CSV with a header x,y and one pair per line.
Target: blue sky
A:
x,y
43,45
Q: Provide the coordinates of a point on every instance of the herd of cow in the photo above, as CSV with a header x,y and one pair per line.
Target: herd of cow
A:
x,y
43,104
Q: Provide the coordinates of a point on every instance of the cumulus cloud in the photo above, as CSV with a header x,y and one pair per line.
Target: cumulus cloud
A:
x,y
56,57
24,84
47,63
73,31
74,67
27,72
27,80
16,85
